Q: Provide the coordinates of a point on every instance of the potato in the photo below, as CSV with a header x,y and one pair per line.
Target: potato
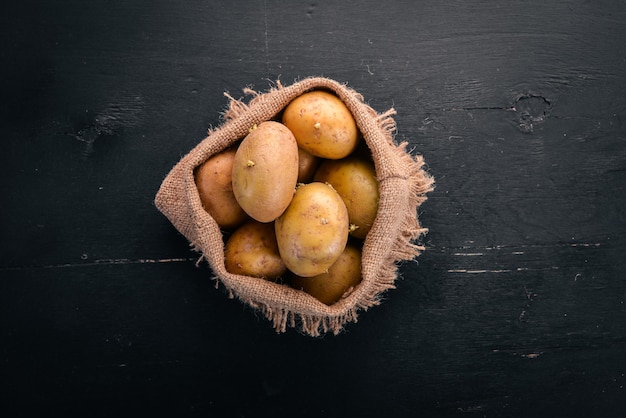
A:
x,y
252,251
341,277
322,124
354,178
265,171
307,163
313,231
214,182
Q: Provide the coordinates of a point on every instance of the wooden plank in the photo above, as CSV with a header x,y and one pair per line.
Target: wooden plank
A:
x,y
516,308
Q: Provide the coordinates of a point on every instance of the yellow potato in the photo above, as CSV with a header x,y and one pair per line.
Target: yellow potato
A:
x,y
322,124
214,182
341,277
307,163
313,231
354,178
265,171
252,251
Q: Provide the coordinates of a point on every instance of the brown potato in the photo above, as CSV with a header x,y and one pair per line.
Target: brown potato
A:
x,y
341,277
354,178
322,124
313,231
265,171
214,182
307,163
252,251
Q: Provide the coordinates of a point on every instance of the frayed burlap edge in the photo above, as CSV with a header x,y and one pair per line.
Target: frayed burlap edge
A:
x,y
403,185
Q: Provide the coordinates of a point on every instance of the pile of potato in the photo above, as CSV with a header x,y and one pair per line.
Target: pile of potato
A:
x,y
297,196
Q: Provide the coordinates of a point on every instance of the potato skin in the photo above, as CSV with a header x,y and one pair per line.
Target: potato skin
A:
x,y
307,163
252,251
322,124
313,231
354,178
344,274
214,182
265,171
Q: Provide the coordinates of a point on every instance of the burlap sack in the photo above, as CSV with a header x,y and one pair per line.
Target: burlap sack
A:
x,y
403,185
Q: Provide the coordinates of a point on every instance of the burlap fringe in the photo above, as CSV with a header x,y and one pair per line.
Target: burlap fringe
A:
x,y
236,107
313,325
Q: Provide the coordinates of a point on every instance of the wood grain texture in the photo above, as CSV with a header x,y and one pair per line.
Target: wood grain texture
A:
x,y
516,309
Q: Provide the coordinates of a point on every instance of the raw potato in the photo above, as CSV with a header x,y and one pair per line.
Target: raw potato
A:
x,y
322,124
342,276
307,163
313,231
252,251
265,171
354,178
214,182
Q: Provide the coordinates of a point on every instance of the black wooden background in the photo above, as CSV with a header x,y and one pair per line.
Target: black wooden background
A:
x,y
516,309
